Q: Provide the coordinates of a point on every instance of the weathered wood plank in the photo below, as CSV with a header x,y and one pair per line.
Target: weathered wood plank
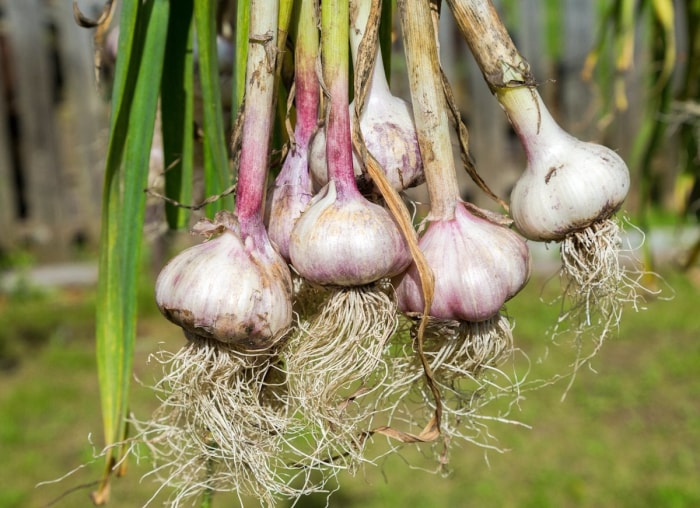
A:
x,y
81,125
8,206
38,148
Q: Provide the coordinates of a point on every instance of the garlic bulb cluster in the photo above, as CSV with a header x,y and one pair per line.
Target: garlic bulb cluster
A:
x,y
227,288
568,184
477,264
346,240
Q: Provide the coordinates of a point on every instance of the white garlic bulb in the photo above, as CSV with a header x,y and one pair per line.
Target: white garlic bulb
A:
x,y
477,265
234,290
386,123
346,241
568,184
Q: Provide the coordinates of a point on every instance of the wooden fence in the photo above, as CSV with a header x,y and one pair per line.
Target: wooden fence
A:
x,y
53,121
52,130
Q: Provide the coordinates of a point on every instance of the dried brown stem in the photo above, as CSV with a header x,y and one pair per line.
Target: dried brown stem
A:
x,y
494,50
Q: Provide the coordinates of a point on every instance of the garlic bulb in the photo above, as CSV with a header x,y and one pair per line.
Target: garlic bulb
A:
x,y
346,240
386,123
477,264
387,127
568,184
227,288
289,197
292,190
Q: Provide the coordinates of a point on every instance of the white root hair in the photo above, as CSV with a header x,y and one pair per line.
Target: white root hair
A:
x,y
599,278
466,360
222,426
334,363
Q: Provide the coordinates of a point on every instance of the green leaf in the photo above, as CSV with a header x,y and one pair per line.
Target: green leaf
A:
x,y
177,99
134,102
241,55
217,176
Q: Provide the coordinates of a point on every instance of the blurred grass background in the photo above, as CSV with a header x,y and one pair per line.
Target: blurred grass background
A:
x,y
627,435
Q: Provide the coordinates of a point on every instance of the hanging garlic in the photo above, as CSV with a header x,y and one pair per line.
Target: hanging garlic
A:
x,y
477,264
568,192
226,289
293,189
346,241
568,184
346,244
386,121
223,413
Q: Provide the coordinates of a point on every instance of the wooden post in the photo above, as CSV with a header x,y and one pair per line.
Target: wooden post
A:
x,y
38,148
82,126
8,205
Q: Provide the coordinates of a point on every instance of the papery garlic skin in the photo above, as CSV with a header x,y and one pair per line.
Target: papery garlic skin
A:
x,y
289,197
346,242
228,289
568,184
477,265
389,133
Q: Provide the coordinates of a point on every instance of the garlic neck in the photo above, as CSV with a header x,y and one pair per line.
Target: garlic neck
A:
x,y
534,125
359,17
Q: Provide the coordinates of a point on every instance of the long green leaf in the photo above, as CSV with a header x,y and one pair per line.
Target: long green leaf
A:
x,y
177,98
241,55
217,176
141,48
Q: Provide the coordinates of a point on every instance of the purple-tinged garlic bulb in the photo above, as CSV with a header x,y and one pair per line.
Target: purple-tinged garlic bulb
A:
x,y
386,122
346,241
293,189
478,266
227,288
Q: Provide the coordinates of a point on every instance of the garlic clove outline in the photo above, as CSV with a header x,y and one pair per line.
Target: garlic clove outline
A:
x,y
229,289
568,184
478,266
346,241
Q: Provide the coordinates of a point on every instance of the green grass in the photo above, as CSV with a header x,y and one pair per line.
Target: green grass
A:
x,y
627,435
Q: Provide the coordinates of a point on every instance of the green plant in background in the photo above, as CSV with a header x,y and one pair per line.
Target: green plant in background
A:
x,y
628,28
453,339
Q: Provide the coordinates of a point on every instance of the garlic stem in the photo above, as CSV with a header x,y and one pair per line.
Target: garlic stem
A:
x,y
257,124
335,58
530,118
306,84
359,16
494,50
429,108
